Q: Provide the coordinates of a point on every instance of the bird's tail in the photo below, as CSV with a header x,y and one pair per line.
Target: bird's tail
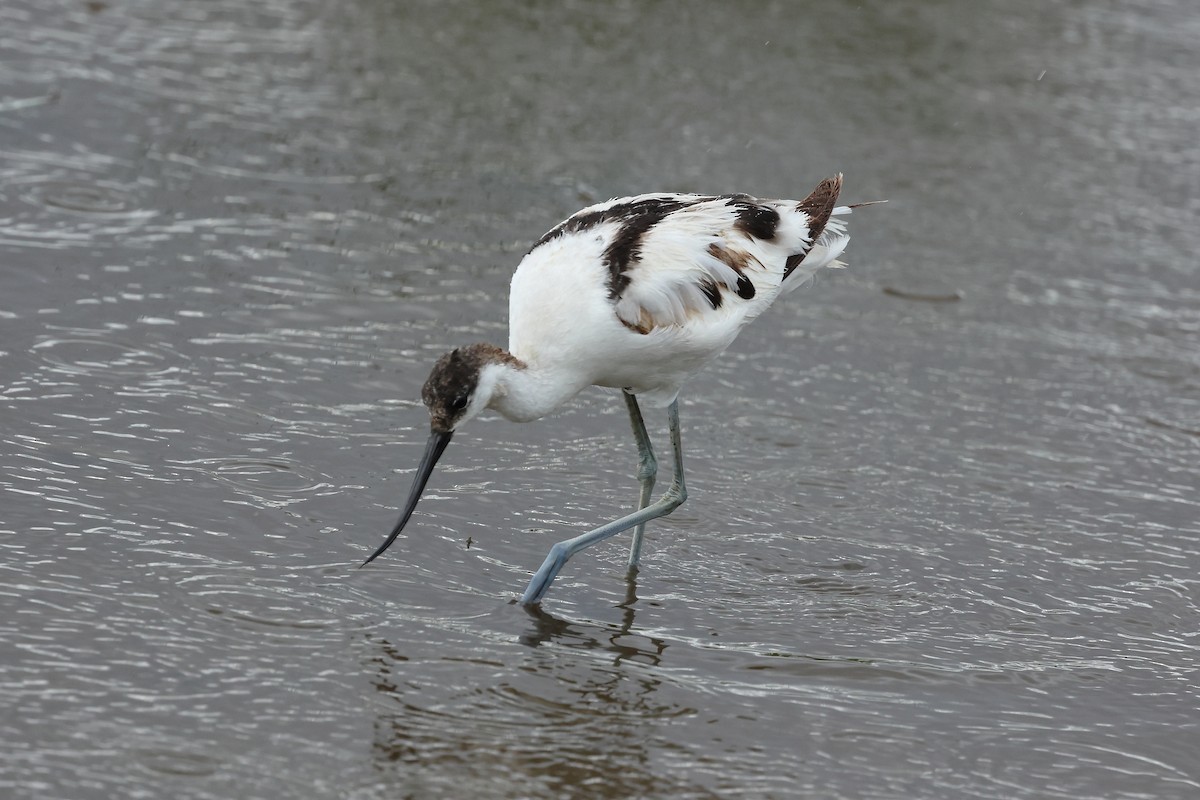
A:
x,y
827,234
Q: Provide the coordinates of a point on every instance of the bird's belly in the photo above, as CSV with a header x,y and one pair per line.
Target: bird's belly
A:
x,y
656,364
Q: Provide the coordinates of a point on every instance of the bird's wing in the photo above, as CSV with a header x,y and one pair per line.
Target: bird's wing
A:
x,y
681,257
669,258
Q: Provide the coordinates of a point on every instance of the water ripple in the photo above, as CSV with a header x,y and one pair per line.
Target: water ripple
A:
x,y
85,198
942,537
105,356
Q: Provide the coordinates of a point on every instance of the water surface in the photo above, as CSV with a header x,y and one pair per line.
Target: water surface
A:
x,y
942,540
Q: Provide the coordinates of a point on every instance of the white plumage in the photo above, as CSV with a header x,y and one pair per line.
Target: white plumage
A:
x,y
638,293
662,328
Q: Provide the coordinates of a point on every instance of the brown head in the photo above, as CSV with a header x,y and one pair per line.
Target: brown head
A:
x,y
452,390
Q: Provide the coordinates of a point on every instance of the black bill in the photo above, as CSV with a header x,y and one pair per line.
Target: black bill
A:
x,y
433,451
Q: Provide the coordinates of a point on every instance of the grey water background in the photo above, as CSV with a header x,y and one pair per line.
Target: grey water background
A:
x,y
943,534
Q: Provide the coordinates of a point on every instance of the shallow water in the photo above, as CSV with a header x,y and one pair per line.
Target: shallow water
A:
x,y
943,534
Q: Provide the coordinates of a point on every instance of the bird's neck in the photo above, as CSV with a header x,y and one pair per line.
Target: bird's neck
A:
x,y
523,392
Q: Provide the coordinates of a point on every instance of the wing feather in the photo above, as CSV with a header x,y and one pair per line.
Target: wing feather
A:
x,y
727,255
671,259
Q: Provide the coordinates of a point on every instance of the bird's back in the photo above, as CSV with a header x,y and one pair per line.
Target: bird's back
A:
x,y
640,292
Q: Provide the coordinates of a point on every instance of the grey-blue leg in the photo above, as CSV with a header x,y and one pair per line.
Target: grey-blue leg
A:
x,y
671,500
647,470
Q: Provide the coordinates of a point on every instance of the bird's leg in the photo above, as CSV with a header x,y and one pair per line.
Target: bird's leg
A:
x,y
671,500
647,470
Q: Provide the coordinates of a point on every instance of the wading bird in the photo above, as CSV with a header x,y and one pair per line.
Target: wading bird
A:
x,y
637,294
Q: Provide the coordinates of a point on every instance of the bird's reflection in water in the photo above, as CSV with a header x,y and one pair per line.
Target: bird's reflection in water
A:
x,y
548,628
478,722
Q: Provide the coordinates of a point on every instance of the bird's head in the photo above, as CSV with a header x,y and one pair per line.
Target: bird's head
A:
x,y
460,386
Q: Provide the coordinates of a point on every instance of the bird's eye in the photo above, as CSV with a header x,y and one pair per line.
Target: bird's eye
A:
x,y
459,403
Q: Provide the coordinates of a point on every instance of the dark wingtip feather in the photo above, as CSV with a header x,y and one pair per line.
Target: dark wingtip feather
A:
x,y
819,205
